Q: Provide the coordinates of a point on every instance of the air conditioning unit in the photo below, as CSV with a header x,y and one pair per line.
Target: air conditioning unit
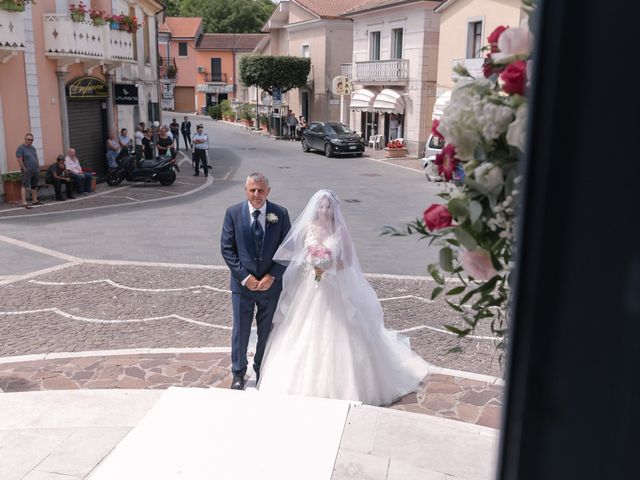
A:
x,y
201,70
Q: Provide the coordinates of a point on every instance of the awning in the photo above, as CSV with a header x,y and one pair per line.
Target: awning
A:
x,y
389,101
362,100
441,103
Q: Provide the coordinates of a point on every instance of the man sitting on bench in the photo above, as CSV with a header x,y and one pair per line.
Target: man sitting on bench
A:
x,y
57,174
81,180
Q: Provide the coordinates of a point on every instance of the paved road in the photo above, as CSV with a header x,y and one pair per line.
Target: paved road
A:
x,y
187,229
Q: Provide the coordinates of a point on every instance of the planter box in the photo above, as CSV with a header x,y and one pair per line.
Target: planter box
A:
x,y
395,152
12,192
265,128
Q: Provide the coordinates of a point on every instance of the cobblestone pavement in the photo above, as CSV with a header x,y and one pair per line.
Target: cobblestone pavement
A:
x,y
441,395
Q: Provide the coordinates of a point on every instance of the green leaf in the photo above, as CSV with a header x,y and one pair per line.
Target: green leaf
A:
x,y
458,208
454,306
435,292
455,350
446,259
453,242
457,331
435,273
465,239
455,291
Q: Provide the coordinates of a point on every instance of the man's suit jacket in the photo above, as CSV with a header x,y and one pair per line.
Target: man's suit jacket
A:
x,y
238,249
185,127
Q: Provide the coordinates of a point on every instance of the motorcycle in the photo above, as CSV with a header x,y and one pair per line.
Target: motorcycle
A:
x,y
162,169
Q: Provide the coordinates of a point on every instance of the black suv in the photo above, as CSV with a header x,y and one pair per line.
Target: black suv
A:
x,y
333,138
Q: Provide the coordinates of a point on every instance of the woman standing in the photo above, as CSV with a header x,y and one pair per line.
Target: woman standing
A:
x,y
166,143
148,145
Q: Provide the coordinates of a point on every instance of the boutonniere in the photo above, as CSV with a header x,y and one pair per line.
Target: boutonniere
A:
x,y
272,218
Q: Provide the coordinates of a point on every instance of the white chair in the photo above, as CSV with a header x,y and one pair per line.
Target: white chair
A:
x,y
375,142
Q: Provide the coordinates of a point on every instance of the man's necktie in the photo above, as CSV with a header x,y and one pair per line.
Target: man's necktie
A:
x,y
257,232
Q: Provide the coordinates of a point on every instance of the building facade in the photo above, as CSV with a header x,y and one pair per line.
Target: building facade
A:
x,y
394,69
59,73
464,28
313,29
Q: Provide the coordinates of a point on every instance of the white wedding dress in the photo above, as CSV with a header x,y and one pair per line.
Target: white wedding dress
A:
x,y
329,339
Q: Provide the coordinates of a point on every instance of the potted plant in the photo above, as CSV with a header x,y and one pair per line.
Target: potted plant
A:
x,y
98,17
264,123
227,110
395,148
12,186
14,5
113,21
172,70
214,112
78,11
246,115
129,23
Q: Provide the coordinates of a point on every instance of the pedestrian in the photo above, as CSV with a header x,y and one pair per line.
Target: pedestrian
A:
x,y
81,180
292,123
165,143
174,126
138,136
30,167
393,126
58,175
200,148
185,128
148,145
124,140
113,147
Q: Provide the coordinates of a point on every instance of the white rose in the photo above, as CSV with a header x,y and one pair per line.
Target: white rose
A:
x,y
517,132
494,119
514,44
489,176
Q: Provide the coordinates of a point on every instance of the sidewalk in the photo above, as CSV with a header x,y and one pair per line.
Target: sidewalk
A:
x,y
124,194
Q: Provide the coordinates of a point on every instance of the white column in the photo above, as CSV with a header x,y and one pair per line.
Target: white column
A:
x,y
64,116
33,95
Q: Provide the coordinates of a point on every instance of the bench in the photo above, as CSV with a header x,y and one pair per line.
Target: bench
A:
x,y
46,190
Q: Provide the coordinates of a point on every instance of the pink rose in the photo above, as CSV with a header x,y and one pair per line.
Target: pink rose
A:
x,y
515,77
437,217
489,68
493,38
434,129
478,264
446,161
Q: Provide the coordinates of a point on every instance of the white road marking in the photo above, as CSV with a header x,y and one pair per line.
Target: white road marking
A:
x,y
440,330
125,287
70,316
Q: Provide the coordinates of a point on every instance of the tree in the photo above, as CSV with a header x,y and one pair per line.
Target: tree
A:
x,y
267,71
226,16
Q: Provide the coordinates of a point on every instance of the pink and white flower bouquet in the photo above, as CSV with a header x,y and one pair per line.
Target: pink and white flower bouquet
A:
x,y
320,257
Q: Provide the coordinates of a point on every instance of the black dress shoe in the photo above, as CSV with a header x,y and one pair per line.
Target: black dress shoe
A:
x,y
237,383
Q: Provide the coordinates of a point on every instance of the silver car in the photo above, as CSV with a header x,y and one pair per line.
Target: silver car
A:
x,y
434,146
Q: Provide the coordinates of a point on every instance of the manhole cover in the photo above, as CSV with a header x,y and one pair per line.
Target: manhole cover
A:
x,y
371,174
352,200
245,148
284,168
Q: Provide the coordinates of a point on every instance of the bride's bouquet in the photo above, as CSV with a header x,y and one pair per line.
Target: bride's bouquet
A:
x,y
319,257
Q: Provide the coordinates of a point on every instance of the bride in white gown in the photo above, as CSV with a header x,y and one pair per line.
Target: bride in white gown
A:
x,y
329,338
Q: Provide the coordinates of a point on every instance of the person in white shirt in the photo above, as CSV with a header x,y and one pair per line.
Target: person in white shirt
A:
x,y
137,138
200,149
81,180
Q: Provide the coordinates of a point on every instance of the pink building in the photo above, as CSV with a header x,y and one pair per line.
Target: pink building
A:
x,y
62,77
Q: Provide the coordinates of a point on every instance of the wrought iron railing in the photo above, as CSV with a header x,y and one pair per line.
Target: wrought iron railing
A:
x,y
168,68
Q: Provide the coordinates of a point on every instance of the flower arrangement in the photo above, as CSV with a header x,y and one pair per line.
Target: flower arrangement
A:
x,y
319,257
484,128
78,11
128,23
14,5
11,176
99,17
396,144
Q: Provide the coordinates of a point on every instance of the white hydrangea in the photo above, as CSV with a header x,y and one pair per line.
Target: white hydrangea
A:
x,y
488,175
517,132
495,119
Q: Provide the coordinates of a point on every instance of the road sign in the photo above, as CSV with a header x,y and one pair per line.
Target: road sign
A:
x,y
276,93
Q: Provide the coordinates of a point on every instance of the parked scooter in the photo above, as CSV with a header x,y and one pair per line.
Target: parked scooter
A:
x,y
162,169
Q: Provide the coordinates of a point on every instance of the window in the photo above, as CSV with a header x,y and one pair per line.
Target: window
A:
x,y
396,43
316,127
305,51
216,70
147,48
474,39
374,46
182,49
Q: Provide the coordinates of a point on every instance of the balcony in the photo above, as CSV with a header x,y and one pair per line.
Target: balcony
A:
x,y
74,42
168,69
345,70
381,71
215,77
473,65
11,34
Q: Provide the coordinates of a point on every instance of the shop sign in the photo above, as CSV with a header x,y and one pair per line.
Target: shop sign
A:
x,y
82,88
125,94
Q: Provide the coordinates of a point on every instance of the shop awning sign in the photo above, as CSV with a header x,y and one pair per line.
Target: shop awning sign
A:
x,y
82,88
125,94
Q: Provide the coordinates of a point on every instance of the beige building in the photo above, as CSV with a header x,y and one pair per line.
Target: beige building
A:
x,y
464,28
393,70
313,29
